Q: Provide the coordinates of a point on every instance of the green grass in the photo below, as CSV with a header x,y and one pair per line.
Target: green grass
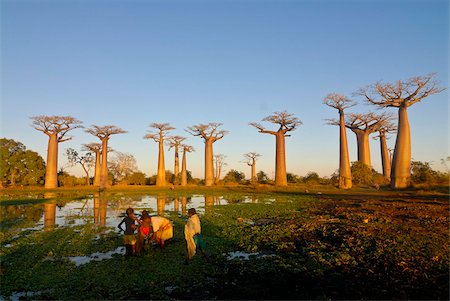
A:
x,y
317,247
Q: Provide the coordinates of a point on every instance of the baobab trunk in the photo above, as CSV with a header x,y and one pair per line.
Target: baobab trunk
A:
x,y
345,175
280,160
177,166
183,170
209,169
51,172
401,164
104,168
385,160
97,169
363,147
161,178
253,171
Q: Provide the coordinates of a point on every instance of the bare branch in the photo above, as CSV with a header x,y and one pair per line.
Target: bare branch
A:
x,y
207,131
56,125
338,101
162,131
104,132
287,121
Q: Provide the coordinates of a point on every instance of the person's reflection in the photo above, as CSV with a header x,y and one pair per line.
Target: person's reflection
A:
x,y
184,201
209,204
49,216
160,204
176,205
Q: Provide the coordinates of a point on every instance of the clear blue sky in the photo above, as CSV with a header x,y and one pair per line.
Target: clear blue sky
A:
x,y
131,63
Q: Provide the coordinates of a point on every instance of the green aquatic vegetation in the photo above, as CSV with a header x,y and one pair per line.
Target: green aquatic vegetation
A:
x,y
315,249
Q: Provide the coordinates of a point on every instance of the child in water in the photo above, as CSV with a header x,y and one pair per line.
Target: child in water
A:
x,y
129,239
144,231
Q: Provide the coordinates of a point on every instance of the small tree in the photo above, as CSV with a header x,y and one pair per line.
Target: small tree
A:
x,y
250,160
122,165
219,162
287,122
262,177
56,128
162,131
234,176
85,160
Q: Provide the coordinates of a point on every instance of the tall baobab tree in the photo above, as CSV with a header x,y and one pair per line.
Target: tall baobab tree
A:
x,y
219,162
55,127
162,131
104,133
288,122
175,142
96,148
250,159
384,128
210,133
401,95
341,102
186,149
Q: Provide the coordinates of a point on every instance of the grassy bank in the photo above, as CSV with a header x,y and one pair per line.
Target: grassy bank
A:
x,y
302,247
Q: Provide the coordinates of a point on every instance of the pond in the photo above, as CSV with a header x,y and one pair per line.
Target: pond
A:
x,y
105,210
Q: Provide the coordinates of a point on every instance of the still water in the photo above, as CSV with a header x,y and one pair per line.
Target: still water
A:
x,y
105,210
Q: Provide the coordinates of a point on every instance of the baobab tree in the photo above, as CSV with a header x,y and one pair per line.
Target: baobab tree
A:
x,y
219,162
250,159
186,149
175,142
363,125
162,131
55,127
384,128
210,133
104,133
86,161
341,102
401,94
288,122
96,148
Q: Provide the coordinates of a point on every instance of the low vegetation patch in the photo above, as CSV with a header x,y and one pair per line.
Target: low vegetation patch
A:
x,y
297,247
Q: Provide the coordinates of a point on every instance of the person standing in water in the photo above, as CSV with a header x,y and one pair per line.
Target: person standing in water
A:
x,y
193,236
129,239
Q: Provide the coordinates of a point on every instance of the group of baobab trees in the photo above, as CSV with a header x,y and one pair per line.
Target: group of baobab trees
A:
x,y
401,95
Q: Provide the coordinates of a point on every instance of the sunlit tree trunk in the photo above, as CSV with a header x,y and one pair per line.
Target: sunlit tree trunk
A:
x,y
104,183
97,171
253,180
345,175
51,173
161,178
362,138
183,170
209,167
401,165
280,161
176,170
385,158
